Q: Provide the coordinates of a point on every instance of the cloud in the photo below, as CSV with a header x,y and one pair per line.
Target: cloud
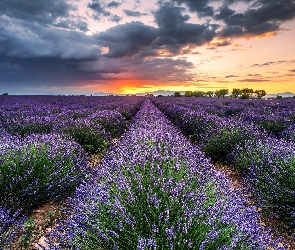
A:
x,y
254,80
99,9
175,32
201,7
231,76
272,63
113,4
265,18
115,18
134,13
73,24
21,39
127,39
9,67
43,11
292,70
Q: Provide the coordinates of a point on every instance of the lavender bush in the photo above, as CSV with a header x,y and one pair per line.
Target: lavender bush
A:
x,y
40,167
91,136
221,142
157,191
269,166
10,224
29,125
111,120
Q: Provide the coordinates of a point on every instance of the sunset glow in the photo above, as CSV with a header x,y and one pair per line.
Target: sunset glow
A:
x,y
131,47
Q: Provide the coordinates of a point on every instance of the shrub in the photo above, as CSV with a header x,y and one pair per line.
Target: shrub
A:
x,y
220,143
111,120
157,191
27,125
10,224
40,167
91,136
269,166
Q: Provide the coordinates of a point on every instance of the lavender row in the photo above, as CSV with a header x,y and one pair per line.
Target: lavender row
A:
x,y
90,121
43,152
33,170
274,116
267,163
155,190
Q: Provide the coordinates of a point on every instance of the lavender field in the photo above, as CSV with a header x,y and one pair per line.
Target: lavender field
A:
x,y
155,184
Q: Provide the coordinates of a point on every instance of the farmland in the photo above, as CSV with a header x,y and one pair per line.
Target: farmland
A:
x,y
155,184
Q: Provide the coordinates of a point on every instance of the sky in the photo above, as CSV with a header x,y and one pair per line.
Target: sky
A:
x,y
128,47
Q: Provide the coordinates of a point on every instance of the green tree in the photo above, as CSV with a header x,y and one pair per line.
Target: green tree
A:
x,y
237,93
177,94
188,94
260,93
199,93
209,93
221,93
247,93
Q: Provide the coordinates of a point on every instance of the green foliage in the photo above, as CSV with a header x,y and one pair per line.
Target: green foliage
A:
x,y
27,233
221,143
273,127
154,209
271,174
236,93
210,93
247,92
34,172
24,128
260,93
177,94
199,94
90,138
221,92
188,94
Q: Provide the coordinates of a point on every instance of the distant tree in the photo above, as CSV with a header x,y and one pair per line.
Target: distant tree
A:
x,y
260,93
209,93
177,94
199,93
5,94
237,93
221,93
247,93
279,97
188,94
160,95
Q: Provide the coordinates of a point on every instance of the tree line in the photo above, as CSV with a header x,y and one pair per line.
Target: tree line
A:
x,y
244,93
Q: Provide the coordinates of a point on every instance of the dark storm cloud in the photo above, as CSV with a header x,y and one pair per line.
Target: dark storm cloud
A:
x,y
134,13
113,4
42,11
201,7
175,31
163,69
73,24
21,39
115,18
99,9
127,39
173,35
9,67
266,17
